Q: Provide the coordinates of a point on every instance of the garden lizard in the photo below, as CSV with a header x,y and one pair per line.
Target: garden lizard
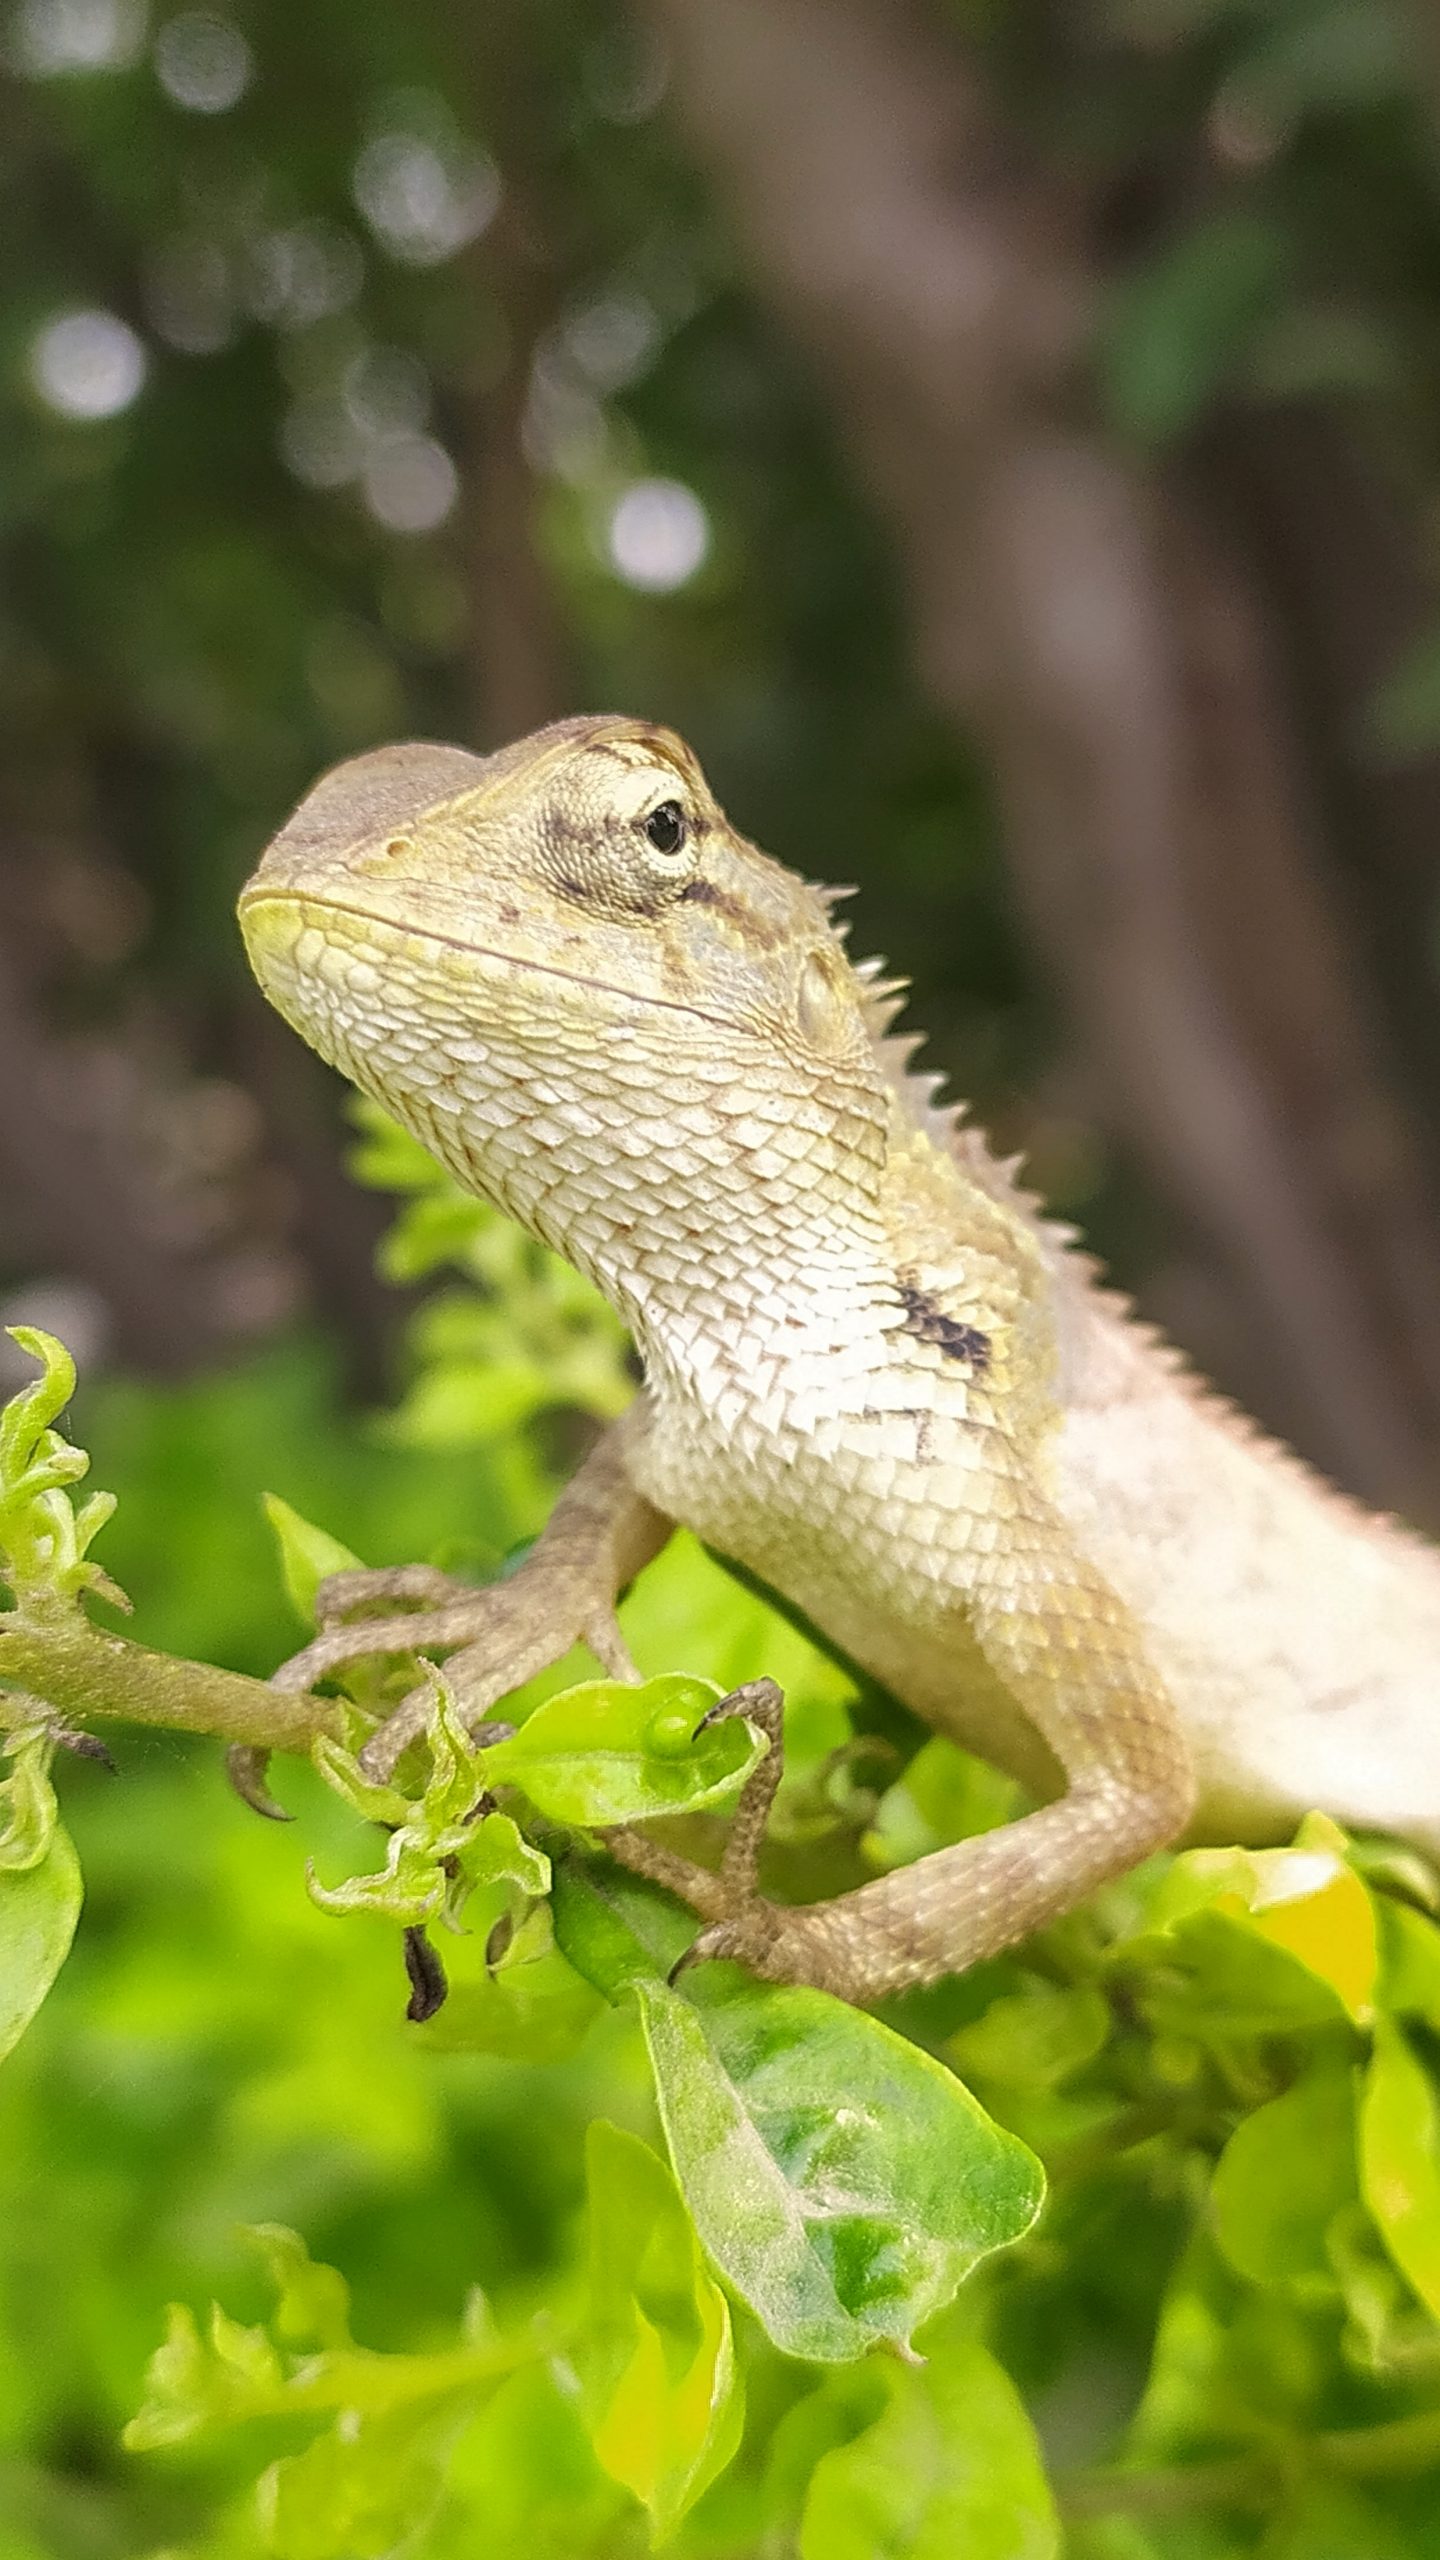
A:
x,y
874,1374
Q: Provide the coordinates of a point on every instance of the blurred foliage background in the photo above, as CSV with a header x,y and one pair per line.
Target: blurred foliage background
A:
x,y
1005,437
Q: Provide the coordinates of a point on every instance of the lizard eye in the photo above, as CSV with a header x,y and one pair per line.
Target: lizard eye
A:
x,y
667,828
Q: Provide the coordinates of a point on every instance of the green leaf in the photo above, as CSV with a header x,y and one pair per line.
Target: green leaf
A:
x,y
657,2365
1411,1978
615,1930
842,2180
1035,2037
198,2383
527,2473
307,1555
363,2489
1257,1941
312,2306
948,2466
44,1540
28,1810
1285,2173
496,1852
39,1906
613,1751
1400,2159
437,1853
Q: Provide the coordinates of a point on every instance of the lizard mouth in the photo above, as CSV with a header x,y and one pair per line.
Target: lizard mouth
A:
x,y
302,906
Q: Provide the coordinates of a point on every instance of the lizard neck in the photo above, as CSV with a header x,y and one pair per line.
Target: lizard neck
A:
x,y
782,1299
727,1216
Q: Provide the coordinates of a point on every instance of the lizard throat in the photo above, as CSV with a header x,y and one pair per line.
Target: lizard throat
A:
x,y
690,1176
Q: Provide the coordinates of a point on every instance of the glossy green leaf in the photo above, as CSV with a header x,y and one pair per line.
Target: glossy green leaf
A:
x,y
656,2359
842,2180
1400,2159
948,2466
307,1555
39,1907
605,1752
1285,2173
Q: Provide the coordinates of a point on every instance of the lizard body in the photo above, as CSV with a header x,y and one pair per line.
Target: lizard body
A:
x,y
876,1376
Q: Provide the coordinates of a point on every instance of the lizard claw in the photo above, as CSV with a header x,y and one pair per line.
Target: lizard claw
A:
x,y
245,1767
86,1746
748,1937
761,1701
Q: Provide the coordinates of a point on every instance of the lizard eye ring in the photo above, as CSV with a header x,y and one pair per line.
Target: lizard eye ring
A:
x,y
666,828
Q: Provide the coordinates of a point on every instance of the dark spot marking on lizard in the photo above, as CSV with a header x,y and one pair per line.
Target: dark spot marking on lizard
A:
x,y
930,1323
508,915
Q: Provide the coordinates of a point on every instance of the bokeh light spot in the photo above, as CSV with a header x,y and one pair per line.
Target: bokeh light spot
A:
x,y
613,340
424,201
52,37
411,484
320,442
87,364
203,62
658,535
304,274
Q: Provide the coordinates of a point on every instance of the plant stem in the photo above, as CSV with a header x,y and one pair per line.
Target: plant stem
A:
x,y
84,1672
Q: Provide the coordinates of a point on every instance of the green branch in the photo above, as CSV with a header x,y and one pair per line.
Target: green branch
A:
x,y
82,1672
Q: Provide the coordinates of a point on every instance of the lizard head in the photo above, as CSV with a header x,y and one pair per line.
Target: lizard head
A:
x,y
565,971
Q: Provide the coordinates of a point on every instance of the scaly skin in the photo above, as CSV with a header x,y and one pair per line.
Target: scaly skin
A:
x,y
874,1375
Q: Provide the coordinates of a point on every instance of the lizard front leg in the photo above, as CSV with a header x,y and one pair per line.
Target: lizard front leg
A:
x,y
600,1534
1072,1658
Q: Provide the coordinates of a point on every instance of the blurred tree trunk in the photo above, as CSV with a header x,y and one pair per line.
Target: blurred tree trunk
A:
x,y
517,652
1108,633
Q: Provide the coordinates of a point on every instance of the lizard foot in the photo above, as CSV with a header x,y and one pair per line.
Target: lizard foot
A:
x,y
364,1591
726,1895
826,1946
785,1945
497,1637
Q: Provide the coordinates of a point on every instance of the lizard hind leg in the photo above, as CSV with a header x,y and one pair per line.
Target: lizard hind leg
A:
x,y
1073,1660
